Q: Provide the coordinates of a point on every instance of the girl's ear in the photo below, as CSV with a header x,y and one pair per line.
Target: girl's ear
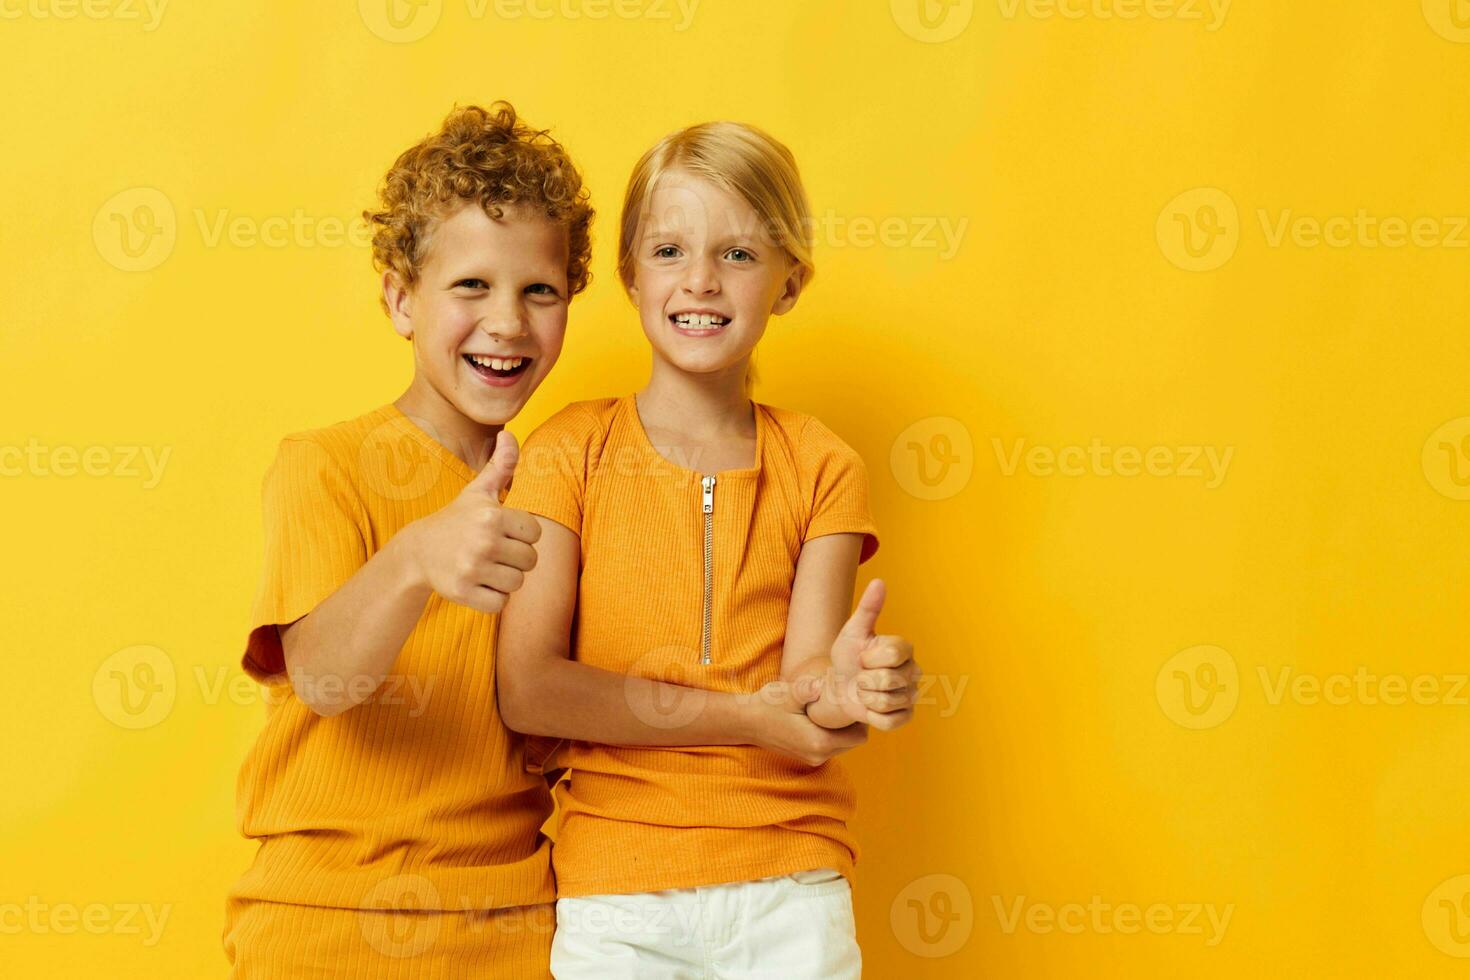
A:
x,y
400,305
795,283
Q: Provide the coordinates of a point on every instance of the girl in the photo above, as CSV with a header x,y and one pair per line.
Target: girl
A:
x,y
689,534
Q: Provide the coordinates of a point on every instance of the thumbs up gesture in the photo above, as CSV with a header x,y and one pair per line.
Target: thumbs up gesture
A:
x,y
873,678
474,551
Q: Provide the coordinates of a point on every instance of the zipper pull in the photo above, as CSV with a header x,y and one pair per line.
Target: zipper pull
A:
x,y
709,494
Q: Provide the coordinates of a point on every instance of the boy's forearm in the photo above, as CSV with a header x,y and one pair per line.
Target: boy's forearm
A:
x,y
567,699
339,654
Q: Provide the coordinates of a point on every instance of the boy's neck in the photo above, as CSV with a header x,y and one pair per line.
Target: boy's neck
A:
x,y
471,441
698,405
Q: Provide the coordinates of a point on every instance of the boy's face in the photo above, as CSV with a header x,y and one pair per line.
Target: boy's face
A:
x,y
489,311
707,275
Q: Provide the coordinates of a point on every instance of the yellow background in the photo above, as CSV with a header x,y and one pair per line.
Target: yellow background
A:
x,y
1075,766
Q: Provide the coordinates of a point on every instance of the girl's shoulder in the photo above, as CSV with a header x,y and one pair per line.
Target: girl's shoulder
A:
x,y
806,435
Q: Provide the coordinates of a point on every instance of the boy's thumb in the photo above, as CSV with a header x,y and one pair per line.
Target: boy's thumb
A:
x,y
496,475
863,623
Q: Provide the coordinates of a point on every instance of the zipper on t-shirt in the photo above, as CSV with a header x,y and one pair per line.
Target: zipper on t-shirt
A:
x,y
708,483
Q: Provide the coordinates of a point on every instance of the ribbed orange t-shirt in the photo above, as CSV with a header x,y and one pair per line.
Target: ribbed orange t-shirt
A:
x,y
418,797
646,819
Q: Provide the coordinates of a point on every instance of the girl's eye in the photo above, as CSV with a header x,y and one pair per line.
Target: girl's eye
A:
x,y
666,252
471,284
739,255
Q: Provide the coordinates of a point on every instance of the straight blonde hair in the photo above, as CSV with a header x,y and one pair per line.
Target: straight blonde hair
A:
x,y
740,158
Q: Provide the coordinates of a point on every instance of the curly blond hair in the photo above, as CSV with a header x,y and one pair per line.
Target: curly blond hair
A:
x,y
488,156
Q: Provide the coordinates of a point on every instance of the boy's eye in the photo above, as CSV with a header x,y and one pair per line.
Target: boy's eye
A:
x,y
541,289
471,284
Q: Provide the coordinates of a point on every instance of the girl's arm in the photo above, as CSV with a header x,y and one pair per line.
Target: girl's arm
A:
x,y
544,692
861,677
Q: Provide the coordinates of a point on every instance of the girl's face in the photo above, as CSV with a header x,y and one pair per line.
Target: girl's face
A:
x,y
707,275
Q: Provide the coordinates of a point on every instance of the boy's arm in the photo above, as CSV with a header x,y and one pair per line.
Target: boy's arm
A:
x,y
544,692
862,677
473,551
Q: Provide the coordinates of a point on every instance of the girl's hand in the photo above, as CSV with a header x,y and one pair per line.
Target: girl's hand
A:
x,y
873,679
780,724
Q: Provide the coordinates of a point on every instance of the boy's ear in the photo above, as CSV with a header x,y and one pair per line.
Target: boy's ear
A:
x,y
400,305
795,283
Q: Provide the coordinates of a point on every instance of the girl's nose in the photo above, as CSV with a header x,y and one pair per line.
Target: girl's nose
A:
x,y
700,278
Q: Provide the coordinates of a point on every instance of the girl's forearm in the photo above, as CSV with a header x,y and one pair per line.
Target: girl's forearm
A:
x,y
566,699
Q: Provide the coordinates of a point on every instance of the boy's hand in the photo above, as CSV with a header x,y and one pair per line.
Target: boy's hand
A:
x,y
781,725
474,551
873,678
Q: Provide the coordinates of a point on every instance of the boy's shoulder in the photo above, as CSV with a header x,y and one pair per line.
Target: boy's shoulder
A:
x,y
344,441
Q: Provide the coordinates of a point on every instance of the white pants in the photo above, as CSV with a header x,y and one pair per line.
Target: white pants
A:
x,y
790,927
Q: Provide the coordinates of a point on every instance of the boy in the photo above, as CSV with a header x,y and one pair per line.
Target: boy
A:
x,y
399,829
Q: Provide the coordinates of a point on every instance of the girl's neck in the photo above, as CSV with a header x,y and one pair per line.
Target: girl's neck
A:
x,y
697,405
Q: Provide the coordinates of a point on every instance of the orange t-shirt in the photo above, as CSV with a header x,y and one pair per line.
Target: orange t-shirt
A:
x,y
418,797
646,819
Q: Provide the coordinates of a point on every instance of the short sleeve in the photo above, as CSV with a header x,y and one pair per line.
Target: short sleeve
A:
x,y
315,540
551,476
838,485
